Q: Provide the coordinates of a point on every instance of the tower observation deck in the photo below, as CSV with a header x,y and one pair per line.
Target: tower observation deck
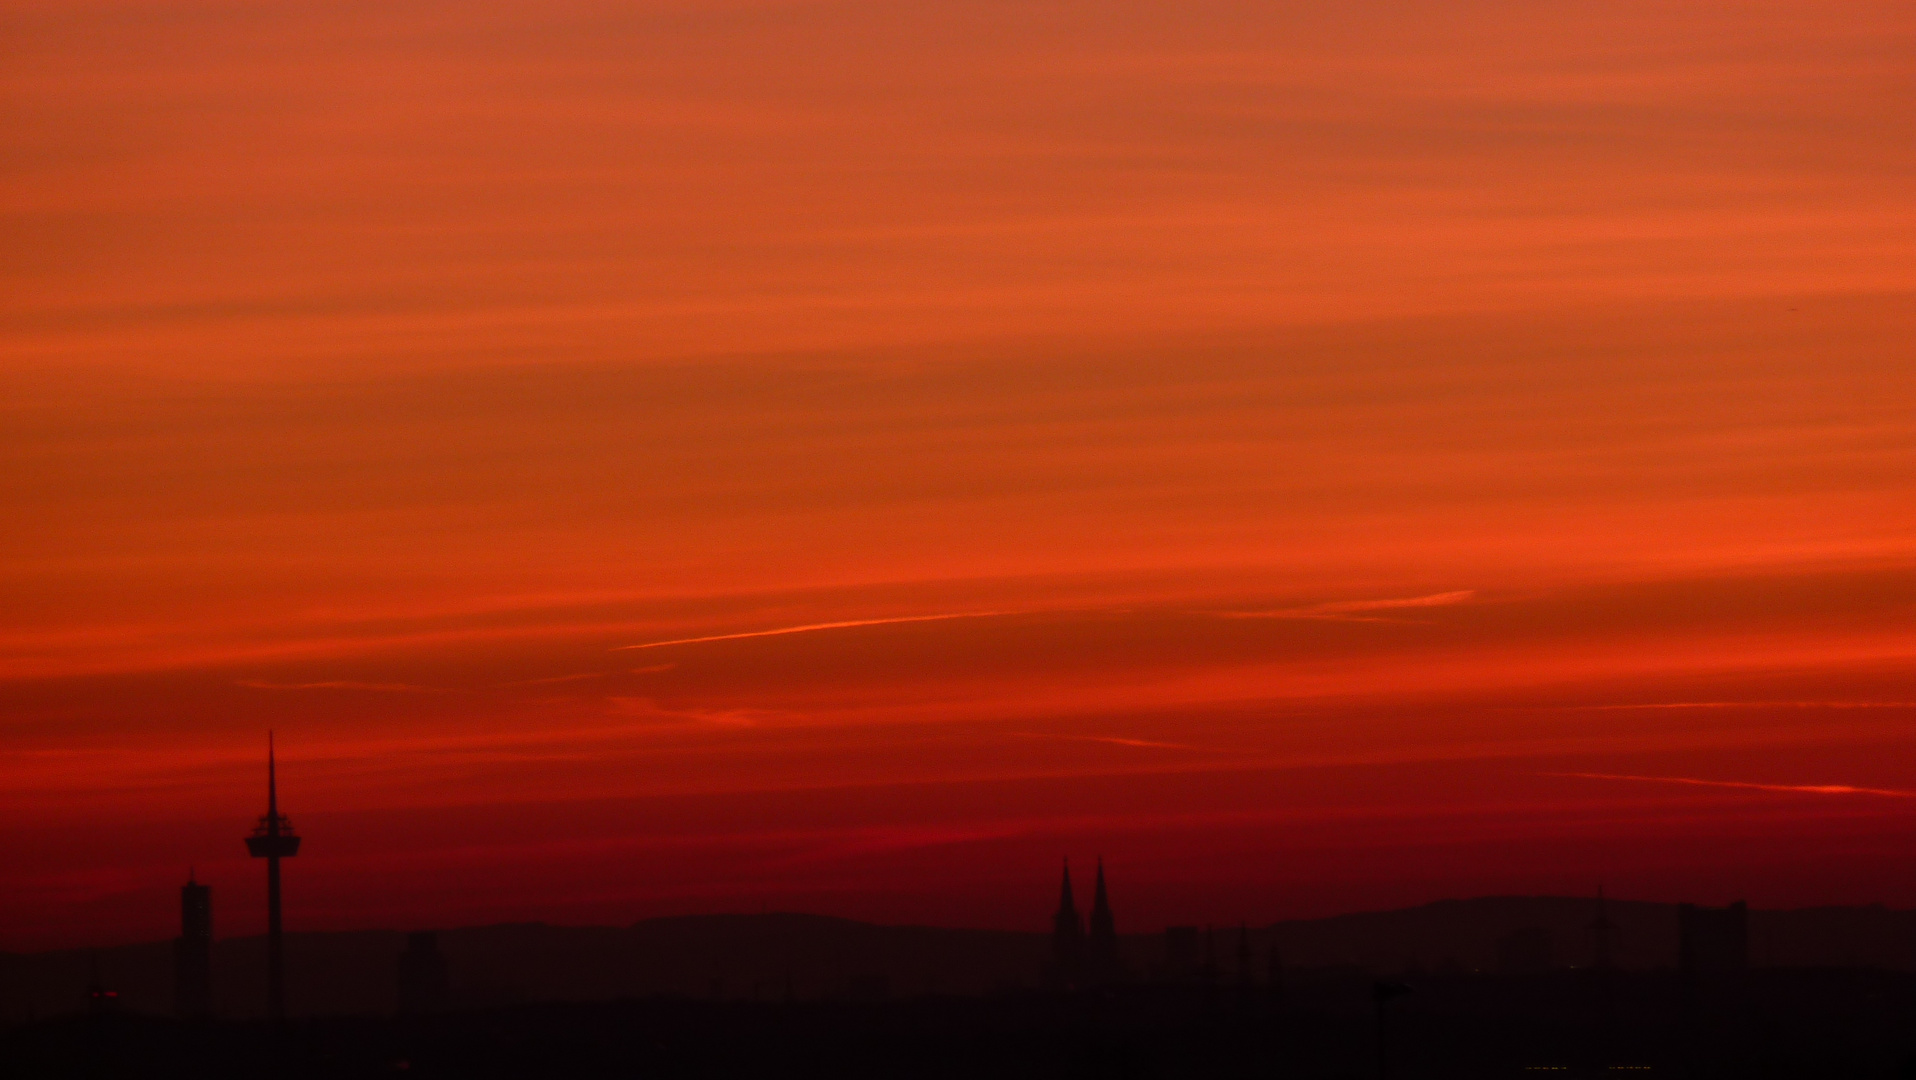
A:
x,y
273,839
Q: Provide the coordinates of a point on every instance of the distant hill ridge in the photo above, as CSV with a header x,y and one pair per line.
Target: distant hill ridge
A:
x,y
774,955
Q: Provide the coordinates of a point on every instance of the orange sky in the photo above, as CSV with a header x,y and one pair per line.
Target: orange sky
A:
x,y
1318,456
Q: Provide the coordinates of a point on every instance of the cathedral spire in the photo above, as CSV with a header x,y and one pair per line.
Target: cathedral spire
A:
x,y
1067,934
1101,948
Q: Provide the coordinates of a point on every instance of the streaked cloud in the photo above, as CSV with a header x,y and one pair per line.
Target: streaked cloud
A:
x,y
1795,789
1355,610
342,684
816,627
1681,705
553,680
1112,740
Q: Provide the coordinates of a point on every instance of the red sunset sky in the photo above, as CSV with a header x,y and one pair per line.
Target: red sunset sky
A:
x,y
711,455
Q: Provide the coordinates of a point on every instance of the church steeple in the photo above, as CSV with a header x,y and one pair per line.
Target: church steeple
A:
x,y
1101,950
1067,934
1101,924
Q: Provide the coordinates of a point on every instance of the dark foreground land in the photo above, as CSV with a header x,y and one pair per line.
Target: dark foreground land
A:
x,y
1773,1023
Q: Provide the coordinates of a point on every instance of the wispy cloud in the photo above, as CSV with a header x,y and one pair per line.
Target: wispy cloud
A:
x,y
1355,610
645,708
1113,740
1800,789
814,627
1742,705
551,679
342,684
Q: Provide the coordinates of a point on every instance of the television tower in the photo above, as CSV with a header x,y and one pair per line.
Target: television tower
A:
x,y
273,839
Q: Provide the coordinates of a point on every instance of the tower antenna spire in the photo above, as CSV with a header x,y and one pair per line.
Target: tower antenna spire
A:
x,y
273,839
272,782
1101,939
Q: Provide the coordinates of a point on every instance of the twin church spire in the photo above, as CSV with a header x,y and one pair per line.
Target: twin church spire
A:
x,y
1081,957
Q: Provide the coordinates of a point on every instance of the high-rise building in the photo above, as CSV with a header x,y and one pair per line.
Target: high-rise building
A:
x,y
193,951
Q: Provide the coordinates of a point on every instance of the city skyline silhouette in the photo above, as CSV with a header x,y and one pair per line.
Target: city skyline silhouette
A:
x,y
1619,993
1690,985
839,538
1084,952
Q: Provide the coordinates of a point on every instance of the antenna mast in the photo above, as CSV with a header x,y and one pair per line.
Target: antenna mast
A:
x,y
273,839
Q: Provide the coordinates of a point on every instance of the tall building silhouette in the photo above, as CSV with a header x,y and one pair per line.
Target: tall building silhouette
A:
x,y
193,951
273,839
1067,937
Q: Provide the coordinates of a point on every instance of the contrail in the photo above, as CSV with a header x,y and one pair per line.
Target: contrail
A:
x,y
1742,705
810,627
1113,740
1350,609
1802,789
340,684
551,679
